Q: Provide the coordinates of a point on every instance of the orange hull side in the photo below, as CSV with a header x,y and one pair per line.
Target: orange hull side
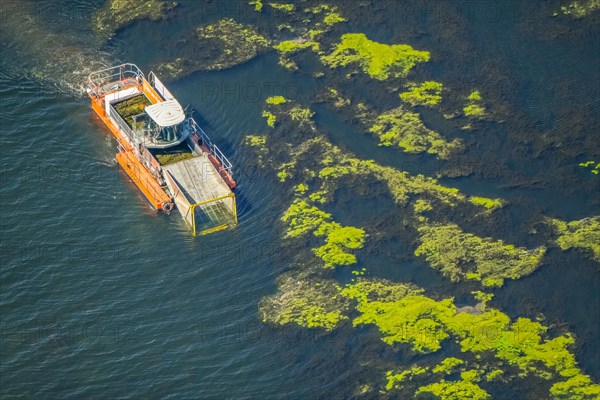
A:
x,y
138,173
143,179
97,107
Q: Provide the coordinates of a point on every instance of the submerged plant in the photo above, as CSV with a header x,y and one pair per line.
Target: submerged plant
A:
x,y
336,99
580,8
117,14
220,45
378,60
258,142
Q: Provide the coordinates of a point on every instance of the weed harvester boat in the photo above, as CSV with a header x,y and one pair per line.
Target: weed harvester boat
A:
x,y
163,149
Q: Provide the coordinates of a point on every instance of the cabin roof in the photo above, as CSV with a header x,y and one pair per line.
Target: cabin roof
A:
x,y
167,113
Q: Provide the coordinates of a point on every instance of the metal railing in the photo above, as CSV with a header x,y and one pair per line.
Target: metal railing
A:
x,y
121,124
159,87
98,80
214,150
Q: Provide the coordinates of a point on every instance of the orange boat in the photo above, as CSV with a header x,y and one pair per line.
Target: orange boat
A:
x,y
163,150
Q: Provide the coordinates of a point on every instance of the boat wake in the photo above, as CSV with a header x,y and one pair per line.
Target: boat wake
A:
x,y
38,50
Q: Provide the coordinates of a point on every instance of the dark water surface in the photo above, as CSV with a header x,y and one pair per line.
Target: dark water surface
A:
x,y
102,298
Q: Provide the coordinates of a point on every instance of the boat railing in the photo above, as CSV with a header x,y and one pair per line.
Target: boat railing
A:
x,y
159,87
121,124
114,78
150,162
214,150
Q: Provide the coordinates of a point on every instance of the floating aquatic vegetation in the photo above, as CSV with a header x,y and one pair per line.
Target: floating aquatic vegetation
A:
x,y
369,290
428,93
292,46
308,39
378,60
336,165
582,234
301,115
592,165
285,7
494,374
398,127
336,99
403,313
490,204
580,8
258,5
287,63
301,189
333,18
474,107
395,380
258,142
276,100
465,388
220,45
271,118
459,255
296,113
302,218
283,27
420,317
129,108
403,128
337,241
171,158
117,14
483,298
578,387
304,301
412,318
448,365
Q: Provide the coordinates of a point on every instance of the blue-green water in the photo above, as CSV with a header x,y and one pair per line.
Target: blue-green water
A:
x,y
102,298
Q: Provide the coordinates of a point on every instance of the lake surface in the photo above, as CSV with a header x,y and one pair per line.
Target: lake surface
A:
x,y
102,298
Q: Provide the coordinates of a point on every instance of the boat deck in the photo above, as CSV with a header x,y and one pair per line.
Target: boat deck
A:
x,y
200,181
